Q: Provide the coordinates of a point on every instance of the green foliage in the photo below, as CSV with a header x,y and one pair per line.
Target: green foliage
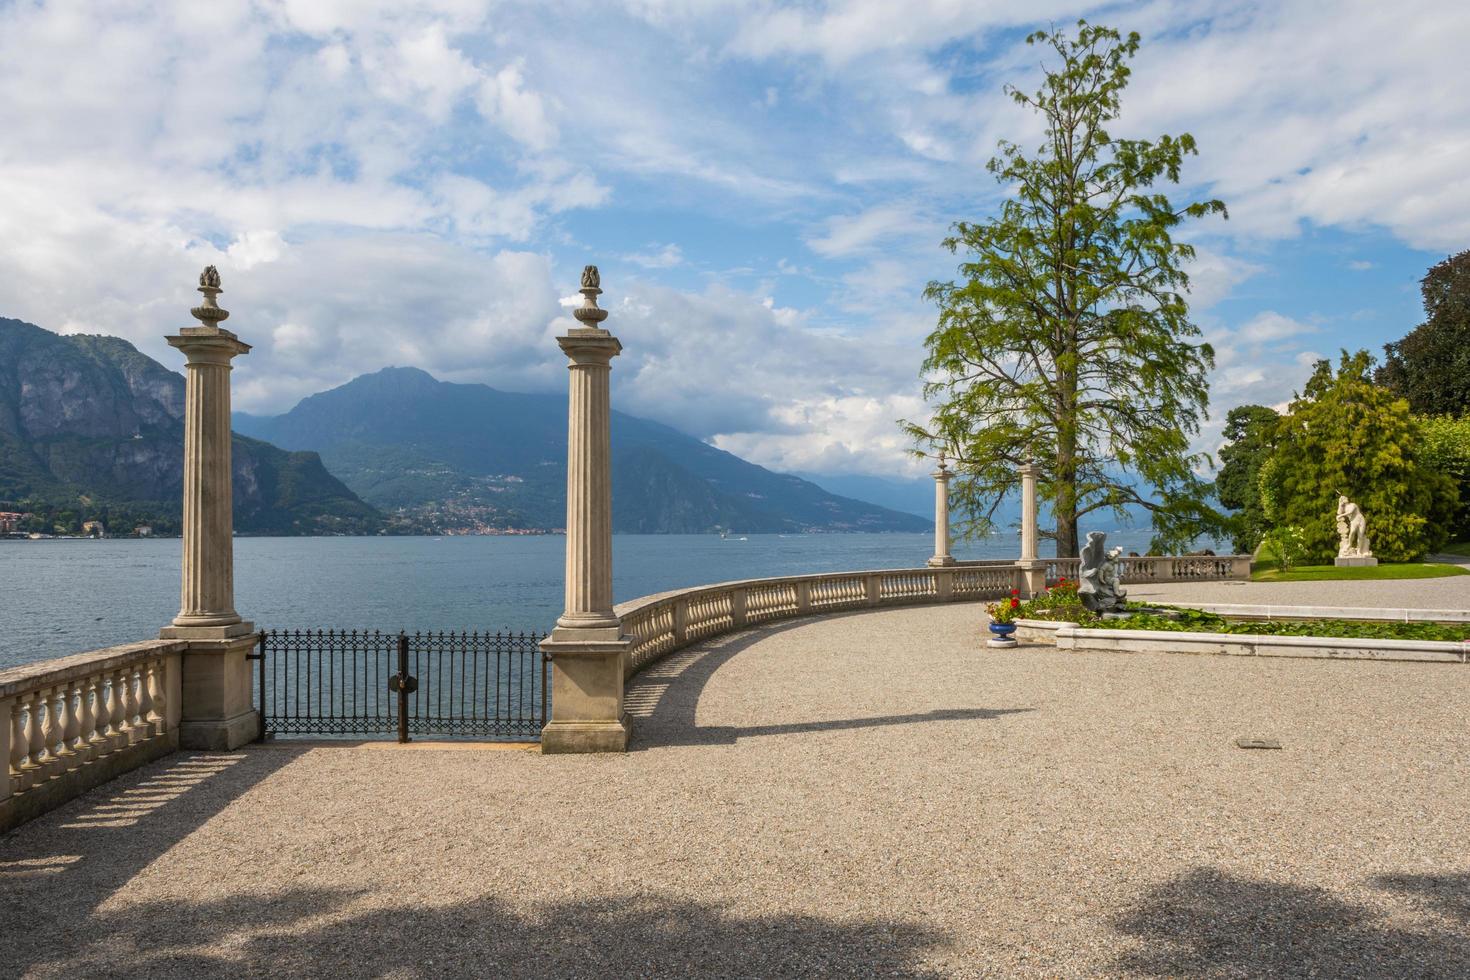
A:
x,y
1196,621
1060,602
1360,573
1445,446
1068,338
1287,546
1346,435
1431,366
1007,610
1251,431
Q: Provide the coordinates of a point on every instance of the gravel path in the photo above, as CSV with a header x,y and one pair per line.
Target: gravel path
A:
x,y
1424,593
860,795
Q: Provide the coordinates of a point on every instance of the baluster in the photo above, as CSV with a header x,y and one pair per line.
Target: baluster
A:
x,y
145,699
35,734
155,695
130,706
20,741
87,717
51,729
118,729
71,722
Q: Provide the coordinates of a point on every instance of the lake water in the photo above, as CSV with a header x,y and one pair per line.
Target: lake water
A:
x,y
65,596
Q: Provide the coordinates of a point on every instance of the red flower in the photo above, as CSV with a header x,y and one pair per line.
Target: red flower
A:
x,y
1015,603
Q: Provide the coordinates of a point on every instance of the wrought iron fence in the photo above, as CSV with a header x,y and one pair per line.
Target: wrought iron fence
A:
x,y
372,683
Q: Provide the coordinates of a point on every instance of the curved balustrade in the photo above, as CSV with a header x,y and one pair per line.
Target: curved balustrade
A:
x,y
68,724
663,623
660,624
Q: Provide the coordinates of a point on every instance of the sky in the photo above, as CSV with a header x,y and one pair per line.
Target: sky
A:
x,y
764,186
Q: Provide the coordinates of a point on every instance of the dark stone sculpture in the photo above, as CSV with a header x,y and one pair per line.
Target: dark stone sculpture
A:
x,y
1100,581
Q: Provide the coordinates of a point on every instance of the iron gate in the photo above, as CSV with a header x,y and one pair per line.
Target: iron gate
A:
x,y
368,682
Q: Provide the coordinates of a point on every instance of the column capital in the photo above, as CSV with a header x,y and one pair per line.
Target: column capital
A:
x,y
208,345
1031,469
589,345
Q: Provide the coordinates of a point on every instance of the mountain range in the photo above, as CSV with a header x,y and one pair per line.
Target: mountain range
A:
x,y
470,455
90,428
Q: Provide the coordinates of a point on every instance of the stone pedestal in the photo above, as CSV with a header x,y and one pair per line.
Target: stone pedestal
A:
x,y
1032,568
941,556
216,709
588,649
1356,561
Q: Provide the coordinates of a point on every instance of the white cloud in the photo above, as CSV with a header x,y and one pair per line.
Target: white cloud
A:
x,y
505,98
850,234
661,257
1269,326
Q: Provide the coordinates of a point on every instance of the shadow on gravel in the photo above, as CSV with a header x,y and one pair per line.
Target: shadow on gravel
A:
x,y
665,697
55,870
275,936
1210,924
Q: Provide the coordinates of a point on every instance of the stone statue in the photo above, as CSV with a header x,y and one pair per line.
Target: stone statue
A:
x,y
1100,582
1352,531
590,277
209,278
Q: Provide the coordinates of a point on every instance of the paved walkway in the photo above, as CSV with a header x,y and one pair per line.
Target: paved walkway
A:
x,y
861,795
1452,592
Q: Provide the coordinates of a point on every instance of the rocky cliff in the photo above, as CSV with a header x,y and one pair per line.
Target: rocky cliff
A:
x,y
88,423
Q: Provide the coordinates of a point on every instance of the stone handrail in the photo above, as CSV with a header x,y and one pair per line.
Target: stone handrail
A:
x,y
1162,568
660,624
67,725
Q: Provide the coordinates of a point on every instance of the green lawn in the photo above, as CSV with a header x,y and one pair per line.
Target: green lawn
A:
x,y
1268,572
1266,569
1458,548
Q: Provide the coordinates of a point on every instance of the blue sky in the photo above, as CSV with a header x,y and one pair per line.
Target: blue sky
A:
x,y
764,186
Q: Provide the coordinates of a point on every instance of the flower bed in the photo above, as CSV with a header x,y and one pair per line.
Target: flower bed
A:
x,y
1061,604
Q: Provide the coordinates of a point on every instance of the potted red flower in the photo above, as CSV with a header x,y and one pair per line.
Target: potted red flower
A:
x,y
1003,619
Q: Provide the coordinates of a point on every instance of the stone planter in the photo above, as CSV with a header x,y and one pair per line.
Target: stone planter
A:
x,y
1001,635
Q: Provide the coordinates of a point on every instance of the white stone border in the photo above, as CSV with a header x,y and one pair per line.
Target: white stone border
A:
x,y
1076,639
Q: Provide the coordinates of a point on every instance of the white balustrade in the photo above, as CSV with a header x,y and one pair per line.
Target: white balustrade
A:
x,y
95,713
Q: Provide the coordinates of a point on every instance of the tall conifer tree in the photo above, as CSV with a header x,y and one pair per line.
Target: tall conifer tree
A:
x,y
1067,338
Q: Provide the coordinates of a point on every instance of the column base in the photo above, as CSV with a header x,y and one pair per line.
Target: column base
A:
x,y
1033,573
587,691
569,737
220,736
940,561
225,632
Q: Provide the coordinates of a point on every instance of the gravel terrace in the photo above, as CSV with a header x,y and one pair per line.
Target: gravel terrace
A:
x,y
870,794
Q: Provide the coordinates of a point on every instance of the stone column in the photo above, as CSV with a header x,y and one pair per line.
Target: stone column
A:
x,y
216,710
941,514
1033,569
587,647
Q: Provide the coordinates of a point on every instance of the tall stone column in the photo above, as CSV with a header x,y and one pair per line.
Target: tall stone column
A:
x,y
587,647
217,711
1033,569
941,514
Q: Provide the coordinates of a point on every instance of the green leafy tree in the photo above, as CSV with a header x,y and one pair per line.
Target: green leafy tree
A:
x,y
1251,434
1431,366
1346,435
1445,445
1068,338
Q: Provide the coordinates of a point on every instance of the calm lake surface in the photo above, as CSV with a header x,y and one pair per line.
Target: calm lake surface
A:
x,y
59,597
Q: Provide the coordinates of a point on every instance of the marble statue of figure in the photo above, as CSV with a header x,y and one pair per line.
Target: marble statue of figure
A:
x,y
1100,582
1352,530
590,277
